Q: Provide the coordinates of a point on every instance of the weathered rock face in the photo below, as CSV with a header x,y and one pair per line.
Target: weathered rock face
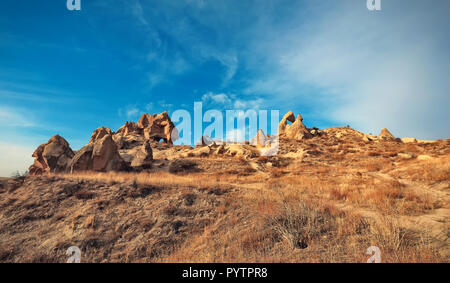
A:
x,y
143,157
297,130
386,135
99,134
157,127
101,155
53,156
128,129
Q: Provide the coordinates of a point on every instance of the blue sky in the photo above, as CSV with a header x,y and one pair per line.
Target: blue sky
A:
x,y
337,63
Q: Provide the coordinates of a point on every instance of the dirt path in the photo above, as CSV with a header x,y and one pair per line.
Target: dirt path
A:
x,y
434,223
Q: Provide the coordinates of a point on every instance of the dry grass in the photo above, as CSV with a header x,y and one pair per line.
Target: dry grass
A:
x,y
341,197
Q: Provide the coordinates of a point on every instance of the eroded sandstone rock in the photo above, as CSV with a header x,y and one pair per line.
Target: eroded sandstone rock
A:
x,y
157,127
409,140
297,130
53,156
128,128
386,135
101,155
143,157
99,134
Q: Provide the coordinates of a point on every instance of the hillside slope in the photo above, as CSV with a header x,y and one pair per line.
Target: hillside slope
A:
x,y
325,199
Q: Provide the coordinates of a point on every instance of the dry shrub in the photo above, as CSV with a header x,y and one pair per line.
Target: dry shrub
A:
x,y
298,223
182,166
339,193
84,194
399,244
374,153
276,172
263,159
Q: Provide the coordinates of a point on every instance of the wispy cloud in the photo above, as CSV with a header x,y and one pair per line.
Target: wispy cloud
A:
x,y
12,117
370,70
231,101
217,98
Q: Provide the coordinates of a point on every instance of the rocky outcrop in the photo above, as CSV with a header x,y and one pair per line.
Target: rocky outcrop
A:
x,y
101,155
409,140
386,135
297,130
53,156
99,134
157,127
241,150
143,157
128,129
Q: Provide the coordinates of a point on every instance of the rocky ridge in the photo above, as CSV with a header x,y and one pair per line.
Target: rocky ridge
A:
x,y
139,146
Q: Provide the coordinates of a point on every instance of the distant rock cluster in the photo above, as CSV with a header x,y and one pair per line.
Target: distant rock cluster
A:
x,y
127,149
133,146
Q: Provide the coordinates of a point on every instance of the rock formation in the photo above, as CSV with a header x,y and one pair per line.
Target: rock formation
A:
x,y
157,127
128,129
386,135
53,156
143,157
138,146
409,140
101,155
99,134
297,130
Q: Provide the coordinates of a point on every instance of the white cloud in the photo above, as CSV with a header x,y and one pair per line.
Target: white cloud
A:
x,y
219,98
132,112
138,12
369,70
231,101
333,58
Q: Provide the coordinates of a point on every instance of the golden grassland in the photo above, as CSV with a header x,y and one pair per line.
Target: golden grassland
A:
x,y
322,208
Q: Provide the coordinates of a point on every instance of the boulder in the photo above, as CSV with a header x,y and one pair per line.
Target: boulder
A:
x,y
425,157
316,131
99,134
405,155
201,151
241,150
386,135
101,155
53,156
409,140
297,130
143,158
